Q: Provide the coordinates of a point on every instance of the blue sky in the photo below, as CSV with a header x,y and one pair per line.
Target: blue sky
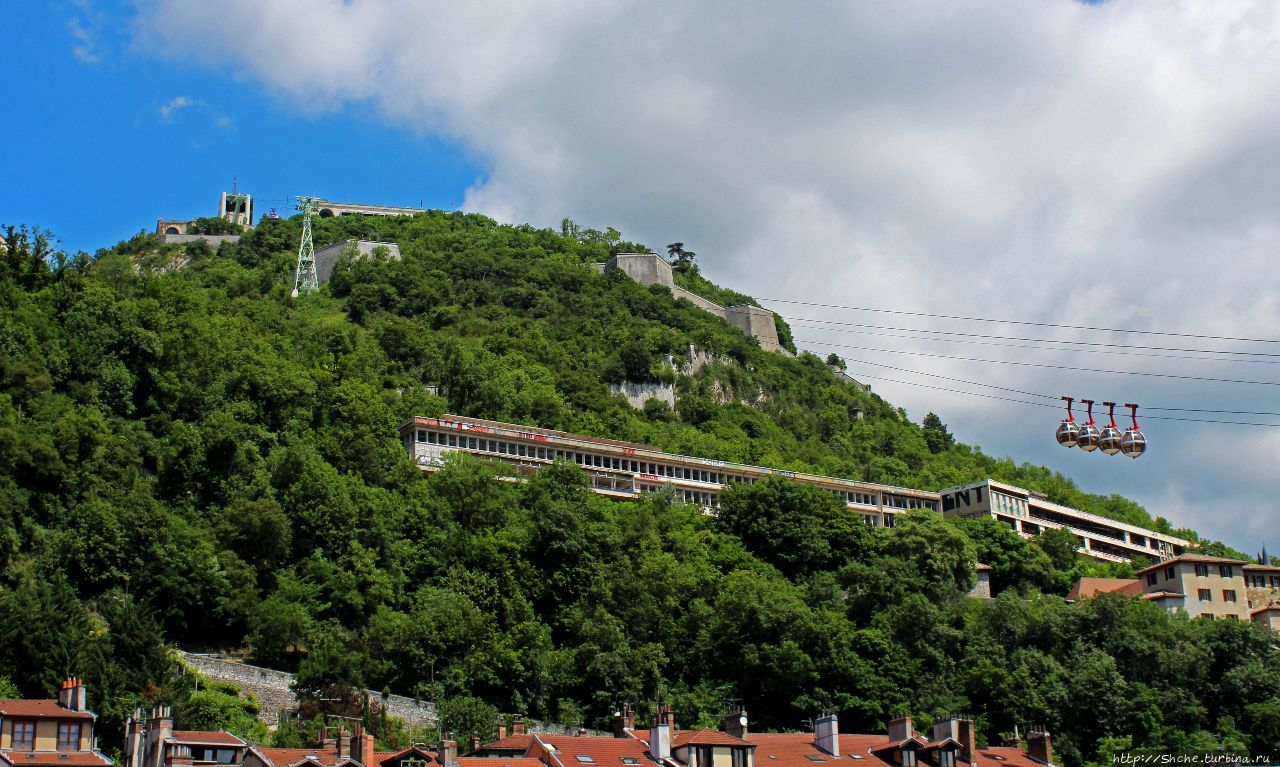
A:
x,y
1063,162
95,157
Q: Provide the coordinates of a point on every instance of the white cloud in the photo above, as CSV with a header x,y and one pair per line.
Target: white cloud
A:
x,y
169,110
172,110
85,26
1103,164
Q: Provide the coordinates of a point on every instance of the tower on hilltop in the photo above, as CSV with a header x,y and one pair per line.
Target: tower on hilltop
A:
x,y
305,278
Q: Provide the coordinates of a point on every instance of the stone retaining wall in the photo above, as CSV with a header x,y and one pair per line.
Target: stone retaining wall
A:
x,y
274,694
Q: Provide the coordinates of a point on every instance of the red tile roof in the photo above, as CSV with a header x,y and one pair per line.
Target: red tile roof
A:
x,y
707,737
207,738
49,758
283,757
41,709
1264,568
1015,757
511,742
602,750
1091,587
498,761
1163,595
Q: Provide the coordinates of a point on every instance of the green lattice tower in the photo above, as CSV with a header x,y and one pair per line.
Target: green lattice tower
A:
x,y
306,278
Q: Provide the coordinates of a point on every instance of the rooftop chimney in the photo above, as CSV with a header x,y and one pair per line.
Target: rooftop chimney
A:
x,y
735,723
71,695
363,747
660,740
502,732
661,732
826,734
968,737
447,753
344,744
1040,746
900,728
475,743
624,720
945,728
517,725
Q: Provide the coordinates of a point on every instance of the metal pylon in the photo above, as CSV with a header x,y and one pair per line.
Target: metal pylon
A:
x,y
306,278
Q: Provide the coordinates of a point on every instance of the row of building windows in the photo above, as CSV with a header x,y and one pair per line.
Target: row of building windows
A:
x,y
1008,504
1206,595
24,736
1261,581
1226,571
594,460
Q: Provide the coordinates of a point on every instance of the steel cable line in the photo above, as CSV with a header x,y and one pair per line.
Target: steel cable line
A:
x,y
1055,407
1044,348
1035,340
1055,399
1046,365
906,313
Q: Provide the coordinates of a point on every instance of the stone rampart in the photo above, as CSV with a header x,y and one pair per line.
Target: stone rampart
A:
x,y
275,695
698,301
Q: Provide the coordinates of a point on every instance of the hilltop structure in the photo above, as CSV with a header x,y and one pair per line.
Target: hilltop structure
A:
x,y
233,207
652,269
627,470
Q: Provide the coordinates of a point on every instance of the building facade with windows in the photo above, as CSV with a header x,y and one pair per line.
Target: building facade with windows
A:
x,y
628,470
1211,587
43,733
1029,512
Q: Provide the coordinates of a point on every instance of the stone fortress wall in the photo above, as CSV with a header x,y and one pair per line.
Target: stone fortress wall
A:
x,y
274,693
652,269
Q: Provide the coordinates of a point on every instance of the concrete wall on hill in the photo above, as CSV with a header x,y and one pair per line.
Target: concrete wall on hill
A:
x,y
214,240
652,269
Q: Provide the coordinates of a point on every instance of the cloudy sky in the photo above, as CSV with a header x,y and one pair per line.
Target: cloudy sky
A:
x,y
1108,165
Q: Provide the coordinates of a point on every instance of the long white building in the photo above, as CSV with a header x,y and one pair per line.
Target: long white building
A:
x,y
627,470
1029,512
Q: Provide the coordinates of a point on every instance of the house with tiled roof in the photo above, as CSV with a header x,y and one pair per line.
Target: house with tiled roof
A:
x,y
950,743
44,733
337,748
151,741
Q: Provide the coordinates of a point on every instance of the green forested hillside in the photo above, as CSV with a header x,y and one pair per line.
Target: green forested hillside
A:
x,y
189,456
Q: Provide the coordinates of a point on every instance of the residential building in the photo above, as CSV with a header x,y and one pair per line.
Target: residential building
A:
x,y
1210,587
628,470
1029,512
45,733
950,743
152,742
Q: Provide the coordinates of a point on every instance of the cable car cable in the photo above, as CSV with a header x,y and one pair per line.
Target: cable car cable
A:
x,y
1055,407
1024,322
1036,340
1043,348
1037,394
1047,365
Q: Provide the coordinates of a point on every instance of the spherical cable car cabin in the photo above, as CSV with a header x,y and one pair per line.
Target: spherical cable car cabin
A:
x,y
1068,430
1110,438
